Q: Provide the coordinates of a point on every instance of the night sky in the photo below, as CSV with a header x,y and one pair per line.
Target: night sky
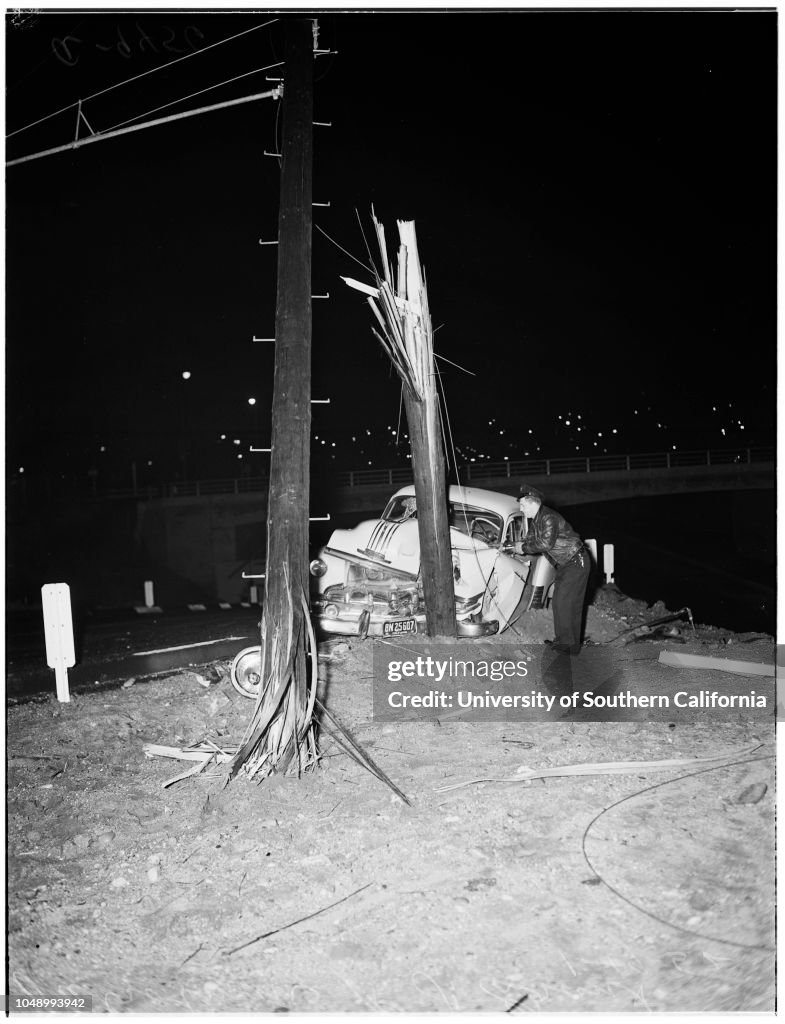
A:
x,y
594,196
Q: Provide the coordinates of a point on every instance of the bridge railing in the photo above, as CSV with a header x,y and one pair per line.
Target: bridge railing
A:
x,y
476,471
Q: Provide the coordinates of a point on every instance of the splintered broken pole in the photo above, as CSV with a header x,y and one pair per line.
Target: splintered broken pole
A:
x,y
400,305
280,735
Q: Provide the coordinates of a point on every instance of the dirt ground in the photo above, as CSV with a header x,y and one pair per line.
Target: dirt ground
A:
x,y
644,891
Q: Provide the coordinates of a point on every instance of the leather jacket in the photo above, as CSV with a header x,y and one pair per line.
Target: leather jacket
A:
x,y
551,535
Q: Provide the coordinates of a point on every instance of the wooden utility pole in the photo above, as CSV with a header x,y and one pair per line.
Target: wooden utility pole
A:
x,y
288,497
430,487
401,310
280,733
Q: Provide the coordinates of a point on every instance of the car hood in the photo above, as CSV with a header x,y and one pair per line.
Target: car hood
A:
x,y
397,545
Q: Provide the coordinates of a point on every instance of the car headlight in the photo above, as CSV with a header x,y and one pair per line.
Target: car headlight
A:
x,y
331,611
318,567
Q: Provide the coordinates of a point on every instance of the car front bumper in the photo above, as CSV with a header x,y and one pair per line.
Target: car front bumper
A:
x,y
375,626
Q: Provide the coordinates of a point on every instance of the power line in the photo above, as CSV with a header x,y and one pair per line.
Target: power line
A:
x,y
117,85
191,95
271,94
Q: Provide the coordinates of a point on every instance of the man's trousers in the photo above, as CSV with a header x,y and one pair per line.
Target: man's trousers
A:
x,y
568,595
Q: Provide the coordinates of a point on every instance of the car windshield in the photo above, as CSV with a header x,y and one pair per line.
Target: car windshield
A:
x,y
403,507
468,519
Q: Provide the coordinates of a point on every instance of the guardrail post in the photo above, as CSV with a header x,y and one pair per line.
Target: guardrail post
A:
x,y
588,465
749,455
508,467
351,478
58,634
668,460
627,460
608,562
547,467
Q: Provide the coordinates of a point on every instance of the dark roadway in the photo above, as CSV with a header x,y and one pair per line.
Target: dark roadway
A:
x,y
114,647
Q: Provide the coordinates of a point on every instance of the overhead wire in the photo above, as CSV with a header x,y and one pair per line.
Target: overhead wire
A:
x,y
135,78
339,246
191,95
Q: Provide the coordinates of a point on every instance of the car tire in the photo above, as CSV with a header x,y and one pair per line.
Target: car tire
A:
x,y
246,672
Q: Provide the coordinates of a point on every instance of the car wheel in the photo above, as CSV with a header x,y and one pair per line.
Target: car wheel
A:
x,y
246,672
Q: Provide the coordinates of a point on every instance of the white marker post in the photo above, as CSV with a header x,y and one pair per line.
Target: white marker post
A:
x,y
592,546
59,634
607,562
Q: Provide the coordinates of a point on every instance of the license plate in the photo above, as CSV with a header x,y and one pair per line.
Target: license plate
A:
x,y
399,626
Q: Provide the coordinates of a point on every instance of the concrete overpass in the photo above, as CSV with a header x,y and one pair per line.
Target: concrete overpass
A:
x,y
581,480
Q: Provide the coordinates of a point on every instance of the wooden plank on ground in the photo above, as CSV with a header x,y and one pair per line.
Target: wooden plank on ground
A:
x,y
677,659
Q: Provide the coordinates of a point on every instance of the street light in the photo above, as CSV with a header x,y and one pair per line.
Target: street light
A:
x,y
185,375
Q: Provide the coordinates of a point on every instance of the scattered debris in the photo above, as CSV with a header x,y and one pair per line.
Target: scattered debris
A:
x,y
524,774
752,794
644,629
299,920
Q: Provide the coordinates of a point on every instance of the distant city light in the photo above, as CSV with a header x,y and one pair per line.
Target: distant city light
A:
x,y
21,469
236,440
252,401
223,437
566,423
102,448
614,431
186,375
149,462
239,455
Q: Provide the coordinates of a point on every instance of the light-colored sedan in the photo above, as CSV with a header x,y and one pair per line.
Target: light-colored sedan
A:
x,y
367,579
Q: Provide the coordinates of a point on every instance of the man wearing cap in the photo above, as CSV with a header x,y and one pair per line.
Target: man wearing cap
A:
x,y
550,535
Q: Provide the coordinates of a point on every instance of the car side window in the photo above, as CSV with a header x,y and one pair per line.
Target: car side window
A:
x,y
516,530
